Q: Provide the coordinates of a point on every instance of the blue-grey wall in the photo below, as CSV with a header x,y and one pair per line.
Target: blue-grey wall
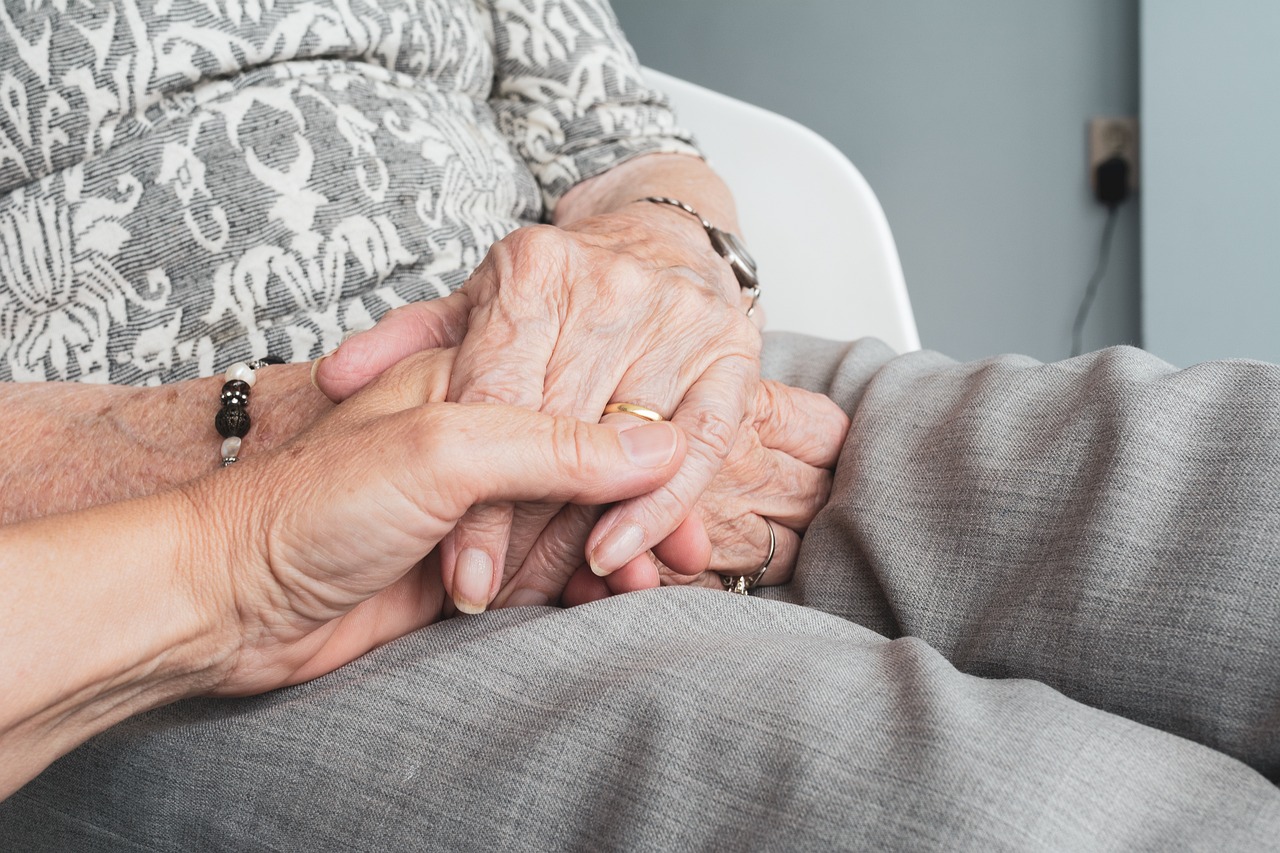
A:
x,y
1211,234
969,121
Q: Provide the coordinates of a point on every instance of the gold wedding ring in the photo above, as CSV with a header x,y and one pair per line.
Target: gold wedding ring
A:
x,y
743,584
633,410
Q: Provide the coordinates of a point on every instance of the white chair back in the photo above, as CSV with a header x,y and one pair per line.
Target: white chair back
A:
x,y
828,263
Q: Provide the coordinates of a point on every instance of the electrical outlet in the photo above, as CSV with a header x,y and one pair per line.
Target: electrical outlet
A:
x,y
1111,137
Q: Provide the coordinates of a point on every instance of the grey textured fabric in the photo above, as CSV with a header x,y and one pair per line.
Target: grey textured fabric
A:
x,y
185,184
1108,525
688,719
671,719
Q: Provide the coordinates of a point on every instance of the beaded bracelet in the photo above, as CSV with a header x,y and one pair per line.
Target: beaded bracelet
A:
x,y
232,420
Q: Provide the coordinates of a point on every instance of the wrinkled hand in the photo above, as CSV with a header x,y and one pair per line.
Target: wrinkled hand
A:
x,y
324,539
779,469
633,306
783,474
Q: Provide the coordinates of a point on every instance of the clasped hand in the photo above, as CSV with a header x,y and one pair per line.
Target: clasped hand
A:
x,y
632,306
323,541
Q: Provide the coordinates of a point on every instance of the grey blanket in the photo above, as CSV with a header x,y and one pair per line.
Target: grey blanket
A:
x,y
1039,613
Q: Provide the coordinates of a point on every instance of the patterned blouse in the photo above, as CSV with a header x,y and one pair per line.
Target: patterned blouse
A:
x,y
187,183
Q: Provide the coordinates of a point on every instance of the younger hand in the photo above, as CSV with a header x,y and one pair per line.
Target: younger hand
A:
x,y
325,539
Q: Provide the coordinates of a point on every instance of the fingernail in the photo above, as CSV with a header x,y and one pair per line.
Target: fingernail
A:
x,y
649,446
526,598
472,575
617,548
315,365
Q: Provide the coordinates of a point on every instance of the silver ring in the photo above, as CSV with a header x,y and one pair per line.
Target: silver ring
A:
x,y
743,584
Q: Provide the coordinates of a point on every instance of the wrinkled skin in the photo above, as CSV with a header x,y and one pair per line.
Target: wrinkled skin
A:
x,y
630,306
780,469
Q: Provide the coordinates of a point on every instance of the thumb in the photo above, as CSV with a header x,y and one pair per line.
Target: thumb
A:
x,y
403,481
503,453
493,453
410,329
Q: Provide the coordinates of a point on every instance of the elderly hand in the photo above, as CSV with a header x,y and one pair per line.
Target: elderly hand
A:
x,y
782,474
329,562
632,306
780,470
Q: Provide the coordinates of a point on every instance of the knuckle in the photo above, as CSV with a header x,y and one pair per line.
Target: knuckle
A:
x,y
813,490
666,577
564,542
430,423
535,248
837,432
498,394
840,423
621,279
417,437
558,553
524,266
812,498
483,525
687,288
573,445
710,428
517,241
829,427
744,368
628,274
700,301
628,267
707,580
666,506
772,404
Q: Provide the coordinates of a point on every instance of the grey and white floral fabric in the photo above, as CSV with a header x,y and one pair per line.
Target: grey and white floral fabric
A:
x,y
185,183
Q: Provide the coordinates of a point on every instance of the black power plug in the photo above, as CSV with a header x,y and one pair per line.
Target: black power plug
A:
x,y
1111,181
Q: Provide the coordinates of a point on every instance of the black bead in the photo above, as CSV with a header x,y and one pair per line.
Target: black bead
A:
x,y
232,420
235,393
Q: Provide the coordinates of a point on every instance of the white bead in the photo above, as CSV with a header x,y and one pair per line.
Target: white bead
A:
x,y
230,447
241,371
